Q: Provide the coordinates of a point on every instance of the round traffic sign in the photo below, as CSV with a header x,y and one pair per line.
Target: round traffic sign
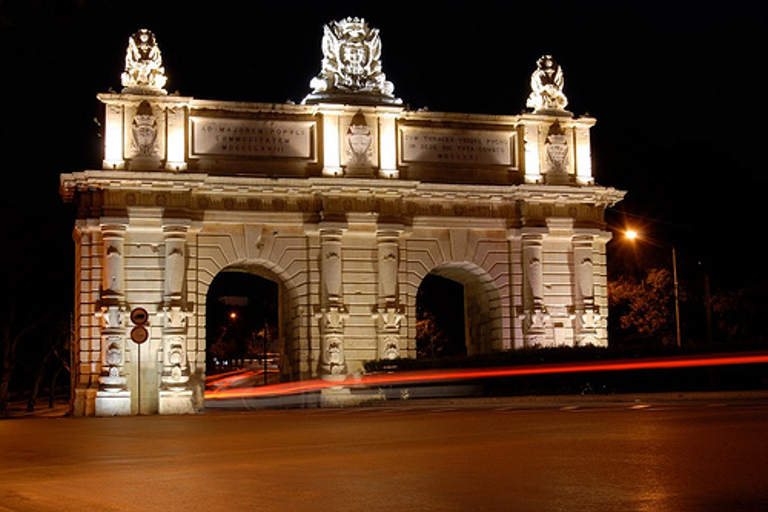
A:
x,y
139,316
139,334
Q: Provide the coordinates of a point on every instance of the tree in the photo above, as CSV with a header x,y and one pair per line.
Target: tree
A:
x,y
224,346
739,313
643,306
14,327
55,345
430,340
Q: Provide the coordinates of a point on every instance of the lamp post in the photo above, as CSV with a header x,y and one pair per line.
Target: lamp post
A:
x,y
633,235
677,294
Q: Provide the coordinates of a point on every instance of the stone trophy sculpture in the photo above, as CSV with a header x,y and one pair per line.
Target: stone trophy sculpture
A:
x,y
144,72
351,66
547,87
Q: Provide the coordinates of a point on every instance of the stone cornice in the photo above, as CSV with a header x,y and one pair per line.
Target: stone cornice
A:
x,y
205,183
226,197
599,196
133,99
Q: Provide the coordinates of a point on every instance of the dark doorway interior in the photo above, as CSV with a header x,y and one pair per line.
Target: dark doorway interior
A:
x,y
242,325
440,328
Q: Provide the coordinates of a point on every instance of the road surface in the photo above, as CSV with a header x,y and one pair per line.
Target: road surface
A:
x,y
700,455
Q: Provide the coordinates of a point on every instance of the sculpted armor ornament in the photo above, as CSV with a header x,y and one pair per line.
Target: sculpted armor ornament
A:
x,y
351,63
547,86
144,71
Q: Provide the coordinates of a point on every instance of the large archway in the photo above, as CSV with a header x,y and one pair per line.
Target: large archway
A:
x,y
458,313
440,322
244,326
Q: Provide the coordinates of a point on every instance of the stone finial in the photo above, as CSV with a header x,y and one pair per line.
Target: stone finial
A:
x,y
547,86
144,72
351,67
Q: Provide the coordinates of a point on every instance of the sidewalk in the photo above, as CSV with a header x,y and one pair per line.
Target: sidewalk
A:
x,y
61,408
19,409
595,399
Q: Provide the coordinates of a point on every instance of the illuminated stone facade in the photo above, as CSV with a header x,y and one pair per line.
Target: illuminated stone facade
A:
x,y
347,201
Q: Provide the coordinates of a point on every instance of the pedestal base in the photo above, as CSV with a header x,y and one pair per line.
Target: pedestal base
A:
x,y
84,402
176,402
113,403
343,397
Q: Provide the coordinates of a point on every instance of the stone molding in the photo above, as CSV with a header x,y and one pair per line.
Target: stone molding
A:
x,y
192,193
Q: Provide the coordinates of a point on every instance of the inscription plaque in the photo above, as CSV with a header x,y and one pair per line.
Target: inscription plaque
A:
x,y
445,146
252,138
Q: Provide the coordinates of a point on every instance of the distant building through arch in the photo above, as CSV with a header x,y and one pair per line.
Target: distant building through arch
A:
x,y
347,201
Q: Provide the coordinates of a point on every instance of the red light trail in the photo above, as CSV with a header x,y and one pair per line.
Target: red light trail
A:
x,y
219,385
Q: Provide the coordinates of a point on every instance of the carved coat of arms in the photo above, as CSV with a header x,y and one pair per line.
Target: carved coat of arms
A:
x,y
556,150
359,145
352,62
144,130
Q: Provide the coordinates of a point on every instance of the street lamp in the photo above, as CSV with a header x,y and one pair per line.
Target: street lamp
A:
x,y
632,235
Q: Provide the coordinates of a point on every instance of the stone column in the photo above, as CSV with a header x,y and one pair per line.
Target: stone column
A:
x,y
389,312
586,314
583,156
175,158
535,316
87,356
388,146
175,237
331,142
175,395
333,313
532,159
113,397
114,157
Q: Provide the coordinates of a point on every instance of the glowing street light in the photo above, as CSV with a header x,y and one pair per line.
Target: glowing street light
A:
x,y
633,235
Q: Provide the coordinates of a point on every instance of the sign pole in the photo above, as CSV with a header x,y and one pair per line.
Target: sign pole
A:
x,y
139,334
138,377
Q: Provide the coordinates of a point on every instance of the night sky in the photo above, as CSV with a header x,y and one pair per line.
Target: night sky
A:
x,y
677,92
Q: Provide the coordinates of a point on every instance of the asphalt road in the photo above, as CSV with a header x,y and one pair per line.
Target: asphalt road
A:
x,y
664,455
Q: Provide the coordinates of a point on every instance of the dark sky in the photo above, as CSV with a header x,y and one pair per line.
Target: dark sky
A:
x,y
677,92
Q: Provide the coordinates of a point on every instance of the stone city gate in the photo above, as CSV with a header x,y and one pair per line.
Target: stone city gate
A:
x,y
347,201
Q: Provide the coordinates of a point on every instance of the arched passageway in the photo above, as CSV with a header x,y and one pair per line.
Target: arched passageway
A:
x,y
457,311
440,326
243,326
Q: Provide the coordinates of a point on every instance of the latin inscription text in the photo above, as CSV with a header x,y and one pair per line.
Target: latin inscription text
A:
x,y
454,147
252,138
